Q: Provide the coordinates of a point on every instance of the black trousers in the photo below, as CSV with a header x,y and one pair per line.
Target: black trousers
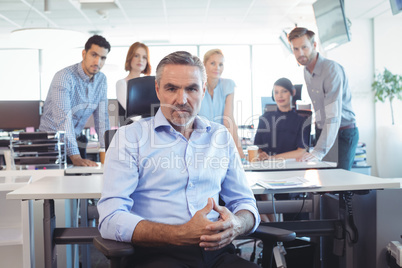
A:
x,y
186,257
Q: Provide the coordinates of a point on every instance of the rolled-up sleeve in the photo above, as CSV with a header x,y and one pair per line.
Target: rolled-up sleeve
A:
x,y
236,192
333,88
120,180
101,115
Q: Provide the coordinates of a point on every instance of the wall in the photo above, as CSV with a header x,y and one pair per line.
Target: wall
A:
x,y
387,44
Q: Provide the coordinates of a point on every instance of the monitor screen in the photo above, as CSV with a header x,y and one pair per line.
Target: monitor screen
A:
x,y
267,104
141,97
20,114
332,27
396,6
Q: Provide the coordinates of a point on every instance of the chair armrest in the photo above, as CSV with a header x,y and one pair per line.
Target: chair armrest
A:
x,y
112,248
82,235
268,233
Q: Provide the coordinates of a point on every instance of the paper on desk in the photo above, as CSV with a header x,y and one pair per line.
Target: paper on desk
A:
x,y
287,183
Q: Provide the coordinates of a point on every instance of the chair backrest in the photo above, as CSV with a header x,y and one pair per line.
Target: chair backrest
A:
x,y
297,96
307,124
108,137
141,97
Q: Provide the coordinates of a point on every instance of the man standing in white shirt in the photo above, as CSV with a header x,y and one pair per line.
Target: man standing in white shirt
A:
x,y
328,88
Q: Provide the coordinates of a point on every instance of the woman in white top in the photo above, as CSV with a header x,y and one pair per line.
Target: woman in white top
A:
x,y
137,63
218,102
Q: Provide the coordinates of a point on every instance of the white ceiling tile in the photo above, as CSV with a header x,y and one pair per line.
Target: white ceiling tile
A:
x,y
177,21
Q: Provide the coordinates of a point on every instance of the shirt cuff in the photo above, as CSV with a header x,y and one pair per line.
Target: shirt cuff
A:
x,y
255,213
72,151
125,224
317,154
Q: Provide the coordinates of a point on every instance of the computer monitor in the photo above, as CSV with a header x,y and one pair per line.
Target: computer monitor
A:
x,y
20,114
333,28
141,97
268,104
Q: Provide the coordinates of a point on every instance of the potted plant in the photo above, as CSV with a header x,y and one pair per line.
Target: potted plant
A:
x,y
387,86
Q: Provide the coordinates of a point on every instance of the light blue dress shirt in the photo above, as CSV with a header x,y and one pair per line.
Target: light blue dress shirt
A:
x,y
72,98
213,108
153,172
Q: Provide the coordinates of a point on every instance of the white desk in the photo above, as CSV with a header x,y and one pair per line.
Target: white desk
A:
x,y
59,187
66,213
288,164
365,252
78,187
255,166
332,180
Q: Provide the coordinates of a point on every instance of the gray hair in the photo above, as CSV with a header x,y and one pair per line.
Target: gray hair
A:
x,y
180,58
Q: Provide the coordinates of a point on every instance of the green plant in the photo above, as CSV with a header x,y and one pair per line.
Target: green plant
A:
x,y
387,86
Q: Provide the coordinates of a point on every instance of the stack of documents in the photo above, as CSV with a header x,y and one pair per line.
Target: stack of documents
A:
x,y
287,183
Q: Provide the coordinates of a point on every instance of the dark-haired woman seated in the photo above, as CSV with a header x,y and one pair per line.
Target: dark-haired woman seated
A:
x,y
280,132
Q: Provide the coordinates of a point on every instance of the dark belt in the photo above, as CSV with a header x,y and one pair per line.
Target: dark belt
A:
x,y
348,126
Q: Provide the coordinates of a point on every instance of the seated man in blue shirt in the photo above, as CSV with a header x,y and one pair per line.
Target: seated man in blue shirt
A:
x,y
76,93
164,175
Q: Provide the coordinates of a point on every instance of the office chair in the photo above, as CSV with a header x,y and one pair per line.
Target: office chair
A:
x,y
114,250
307,114
297,96
141,97
141,101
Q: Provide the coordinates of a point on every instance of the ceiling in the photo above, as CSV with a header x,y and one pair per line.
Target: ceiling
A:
x,y
173,21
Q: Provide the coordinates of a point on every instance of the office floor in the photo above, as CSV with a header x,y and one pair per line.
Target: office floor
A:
x,y
100,261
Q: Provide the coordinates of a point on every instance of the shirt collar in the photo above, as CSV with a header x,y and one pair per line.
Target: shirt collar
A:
x,y
318,66
162,123
84,76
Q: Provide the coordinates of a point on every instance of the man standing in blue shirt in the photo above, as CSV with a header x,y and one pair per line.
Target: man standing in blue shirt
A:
x,y
163,177
76,93
328,87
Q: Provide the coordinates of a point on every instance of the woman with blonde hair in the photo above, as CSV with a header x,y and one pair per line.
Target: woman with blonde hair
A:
x,y
218,102
137,63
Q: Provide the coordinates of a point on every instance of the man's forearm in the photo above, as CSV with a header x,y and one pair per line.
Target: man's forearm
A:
x,y
151,234
247,221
